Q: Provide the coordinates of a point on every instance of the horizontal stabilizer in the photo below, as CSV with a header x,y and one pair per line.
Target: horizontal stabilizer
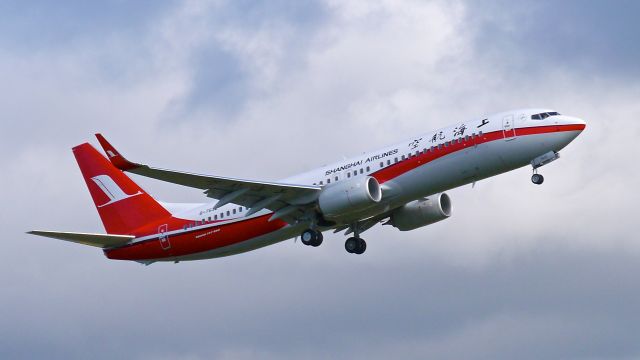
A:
x,y
98,240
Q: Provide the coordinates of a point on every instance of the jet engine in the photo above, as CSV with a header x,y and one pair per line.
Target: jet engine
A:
x,y
421,212
346,199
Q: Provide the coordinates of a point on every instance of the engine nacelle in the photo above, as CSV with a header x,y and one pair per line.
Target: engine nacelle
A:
x,y
348,198
422,212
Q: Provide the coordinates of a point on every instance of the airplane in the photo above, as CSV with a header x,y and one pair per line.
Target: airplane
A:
x,y
402,185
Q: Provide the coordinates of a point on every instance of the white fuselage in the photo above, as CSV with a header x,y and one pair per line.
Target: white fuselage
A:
x,y
485,147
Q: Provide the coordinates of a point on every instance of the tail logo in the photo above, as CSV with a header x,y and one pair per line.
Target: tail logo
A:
x,y
111,189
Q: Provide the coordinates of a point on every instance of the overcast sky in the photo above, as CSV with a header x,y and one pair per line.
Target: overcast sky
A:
x,y
267,89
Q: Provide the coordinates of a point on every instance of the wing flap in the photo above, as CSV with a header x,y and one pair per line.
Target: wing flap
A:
x,y
97,240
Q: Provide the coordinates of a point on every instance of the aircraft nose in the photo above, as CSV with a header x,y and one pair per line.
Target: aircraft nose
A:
x,y
570,128
579,123
575,124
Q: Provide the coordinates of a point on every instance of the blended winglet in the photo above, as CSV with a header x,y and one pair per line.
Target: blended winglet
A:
x,y
114,156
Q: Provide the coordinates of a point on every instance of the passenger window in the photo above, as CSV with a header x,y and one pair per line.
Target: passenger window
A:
x,y
209,218
328,181
480,134
439,146
361,171
381,164
215,217
395,160
185,227
234,211
389,162
348,174
228,213
446,144
402,158
368,169
355,173
321,183
336,178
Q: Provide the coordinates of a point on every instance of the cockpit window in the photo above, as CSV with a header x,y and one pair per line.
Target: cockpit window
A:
x,y
543,116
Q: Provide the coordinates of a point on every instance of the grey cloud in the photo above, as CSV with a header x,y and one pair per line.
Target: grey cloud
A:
x,y
594,39
549,303
44,25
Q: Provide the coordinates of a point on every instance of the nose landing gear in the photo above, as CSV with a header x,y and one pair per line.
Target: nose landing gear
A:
x,y
537,179
542,160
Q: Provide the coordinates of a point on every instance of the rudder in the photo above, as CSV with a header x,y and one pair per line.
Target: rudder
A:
x,y
123,206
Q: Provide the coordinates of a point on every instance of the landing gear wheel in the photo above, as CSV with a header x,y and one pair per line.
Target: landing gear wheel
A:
x,y
355,245
351,245
362,246
311,237
537,179
318,240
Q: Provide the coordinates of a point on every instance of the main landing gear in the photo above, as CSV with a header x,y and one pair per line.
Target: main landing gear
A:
x,y
355,245
311,237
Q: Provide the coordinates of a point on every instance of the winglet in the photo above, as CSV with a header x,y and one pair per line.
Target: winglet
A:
x,y
114,156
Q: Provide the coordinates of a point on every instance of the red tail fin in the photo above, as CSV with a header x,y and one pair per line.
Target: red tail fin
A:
x,y
123,206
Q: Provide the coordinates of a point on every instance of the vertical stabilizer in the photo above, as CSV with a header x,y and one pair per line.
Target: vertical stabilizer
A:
x,y
123,206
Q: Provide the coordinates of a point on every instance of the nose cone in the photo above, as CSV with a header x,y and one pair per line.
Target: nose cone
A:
x,y
570,127
578,123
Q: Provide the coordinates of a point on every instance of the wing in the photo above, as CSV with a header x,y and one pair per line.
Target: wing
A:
x,y
98,240
288,201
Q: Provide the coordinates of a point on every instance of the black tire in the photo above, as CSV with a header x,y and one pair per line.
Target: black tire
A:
x,y
351,245
537,179
308,237
318,239
362,247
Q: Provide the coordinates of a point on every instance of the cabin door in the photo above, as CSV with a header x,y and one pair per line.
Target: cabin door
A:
x,y
508,128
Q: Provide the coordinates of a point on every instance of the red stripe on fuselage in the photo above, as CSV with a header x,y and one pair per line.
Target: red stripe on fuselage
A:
x,y
216,236
402,166
191,242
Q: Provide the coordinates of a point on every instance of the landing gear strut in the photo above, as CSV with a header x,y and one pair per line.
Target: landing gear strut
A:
x,y
311,237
